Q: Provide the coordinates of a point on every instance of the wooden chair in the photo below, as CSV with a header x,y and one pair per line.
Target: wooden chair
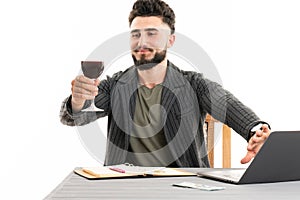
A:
x,y
226,142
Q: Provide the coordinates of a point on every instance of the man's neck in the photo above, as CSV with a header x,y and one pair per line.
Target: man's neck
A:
x,y
154,76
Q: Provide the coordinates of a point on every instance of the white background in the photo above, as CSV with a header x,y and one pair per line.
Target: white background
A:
x,y
254,44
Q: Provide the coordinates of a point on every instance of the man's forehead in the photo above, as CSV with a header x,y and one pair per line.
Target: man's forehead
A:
x,y
150,29
151,22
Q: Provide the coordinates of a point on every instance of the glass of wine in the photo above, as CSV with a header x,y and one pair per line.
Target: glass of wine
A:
x,y
92,70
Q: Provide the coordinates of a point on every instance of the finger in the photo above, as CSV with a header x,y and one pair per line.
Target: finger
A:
x,y
84,79
72,85
97,82
250,143
92,90
86,83
260,138
248,157
257,138
255,148
252,146
266,129
79,92
85,86
83,96
255,143
258,133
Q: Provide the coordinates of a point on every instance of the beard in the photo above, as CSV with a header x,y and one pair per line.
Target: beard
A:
x,y
145,64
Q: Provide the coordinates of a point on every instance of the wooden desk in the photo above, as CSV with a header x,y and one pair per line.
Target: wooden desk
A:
x,y
76,187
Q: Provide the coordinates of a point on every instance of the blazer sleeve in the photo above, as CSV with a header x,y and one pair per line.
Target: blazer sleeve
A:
x,y
225,107
102,101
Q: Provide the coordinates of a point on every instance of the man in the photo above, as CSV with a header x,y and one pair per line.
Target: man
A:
x,y
155,110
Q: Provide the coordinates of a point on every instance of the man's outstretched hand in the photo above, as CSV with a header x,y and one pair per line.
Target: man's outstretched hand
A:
x,y
256,142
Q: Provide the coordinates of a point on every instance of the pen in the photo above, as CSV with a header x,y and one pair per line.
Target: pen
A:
x,y
117,169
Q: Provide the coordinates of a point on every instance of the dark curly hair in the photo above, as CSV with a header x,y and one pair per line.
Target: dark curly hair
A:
x,y
157,8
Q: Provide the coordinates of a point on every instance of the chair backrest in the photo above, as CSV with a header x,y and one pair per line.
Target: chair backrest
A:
x,y
226,142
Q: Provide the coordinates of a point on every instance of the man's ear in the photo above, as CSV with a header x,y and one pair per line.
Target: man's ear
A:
x,y
171,40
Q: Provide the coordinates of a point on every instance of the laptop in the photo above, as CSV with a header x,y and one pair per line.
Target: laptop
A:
x,y
278,160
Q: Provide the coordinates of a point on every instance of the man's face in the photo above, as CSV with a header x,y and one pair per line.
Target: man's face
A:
x,y
149,40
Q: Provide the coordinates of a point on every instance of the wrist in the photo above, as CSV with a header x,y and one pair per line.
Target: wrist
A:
x,y
76,106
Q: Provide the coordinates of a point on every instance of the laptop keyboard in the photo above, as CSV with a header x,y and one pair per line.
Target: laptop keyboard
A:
x,y
232,174
229,175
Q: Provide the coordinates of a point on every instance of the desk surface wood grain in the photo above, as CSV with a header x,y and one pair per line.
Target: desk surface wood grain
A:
x,y
77,187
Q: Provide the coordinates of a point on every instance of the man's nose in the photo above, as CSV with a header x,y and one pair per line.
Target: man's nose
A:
x,y
142,40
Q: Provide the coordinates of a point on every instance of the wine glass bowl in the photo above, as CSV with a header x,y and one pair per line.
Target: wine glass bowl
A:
x,y
92,70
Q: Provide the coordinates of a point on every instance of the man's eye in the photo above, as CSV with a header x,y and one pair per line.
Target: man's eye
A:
x,y
135,35
151,33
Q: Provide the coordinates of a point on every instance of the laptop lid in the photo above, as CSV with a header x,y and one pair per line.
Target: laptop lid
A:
x,y
278,160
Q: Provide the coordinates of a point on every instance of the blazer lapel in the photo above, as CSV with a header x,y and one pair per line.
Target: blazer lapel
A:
x,y
172,84
123,102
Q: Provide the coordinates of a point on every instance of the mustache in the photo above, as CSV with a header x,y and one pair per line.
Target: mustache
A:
x,y
137,49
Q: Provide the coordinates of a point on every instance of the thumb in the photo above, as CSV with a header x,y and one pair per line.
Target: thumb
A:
x,y
72,85
97,82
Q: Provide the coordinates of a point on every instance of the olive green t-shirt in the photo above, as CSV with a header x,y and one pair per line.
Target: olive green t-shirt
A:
x,y
147,138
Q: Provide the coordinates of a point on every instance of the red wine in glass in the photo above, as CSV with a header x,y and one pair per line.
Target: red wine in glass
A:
x,y
92,70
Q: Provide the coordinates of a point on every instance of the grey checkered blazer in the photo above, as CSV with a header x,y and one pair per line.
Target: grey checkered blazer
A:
x,y
186,99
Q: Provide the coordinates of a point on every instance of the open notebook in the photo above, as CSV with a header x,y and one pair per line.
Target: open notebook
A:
x,y
124,170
